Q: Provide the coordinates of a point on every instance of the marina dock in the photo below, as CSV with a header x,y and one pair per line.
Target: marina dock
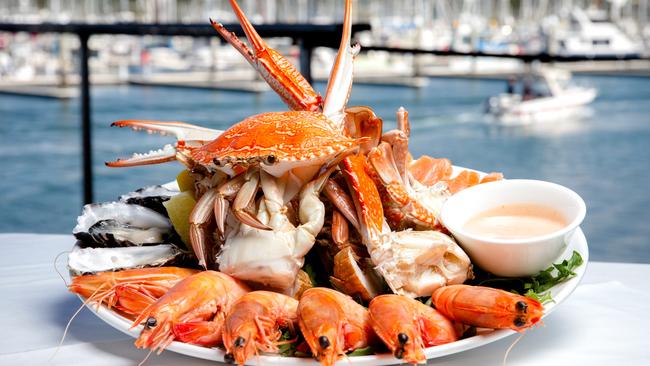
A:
x,y
54,87
40,91
247,82
631,68
226,81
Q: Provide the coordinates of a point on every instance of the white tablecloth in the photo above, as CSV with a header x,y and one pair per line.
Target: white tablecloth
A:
x,y
605,322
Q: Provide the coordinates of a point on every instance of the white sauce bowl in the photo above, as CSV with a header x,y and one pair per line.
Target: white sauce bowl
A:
x,y
513,257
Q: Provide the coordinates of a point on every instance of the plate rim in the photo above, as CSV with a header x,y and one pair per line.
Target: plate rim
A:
x,y
560,293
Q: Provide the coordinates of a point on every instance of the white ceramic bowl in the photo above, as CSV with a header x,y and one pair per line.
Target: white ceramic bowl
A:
x,y
513,257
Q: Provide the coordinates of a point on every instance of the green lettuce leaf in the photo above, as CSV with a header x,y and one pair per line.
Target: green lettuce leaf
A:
x,y
535,287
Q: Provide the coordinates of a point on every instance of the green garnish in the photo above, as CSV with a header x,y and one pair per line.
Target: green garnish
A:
x,y
290,342
538,286
287,349
542,298
362,352
543,281
535,287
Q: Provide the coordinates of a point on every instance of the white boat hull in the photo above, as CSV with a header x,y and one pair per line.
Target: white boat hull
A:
x,y
509,110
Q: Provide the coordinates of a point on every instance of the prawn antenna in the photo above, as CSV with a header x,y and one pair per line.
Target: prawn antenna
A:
x,y
146,357
56,259
505,357
257,358
67,326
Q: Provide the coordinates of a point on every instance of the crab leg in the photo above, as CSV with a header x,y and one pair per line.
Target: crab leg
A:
x,y
180,130
342,201
403,123
340,234
311,213
383,163
413,263
276,263
399,141
279,73
201,219
163,155
187,135
226,191
244,197
395,146
363,122
340,81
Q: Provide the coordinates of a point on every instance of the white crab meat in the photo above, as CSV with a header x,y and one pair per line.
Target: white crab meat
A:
x,y
431,197
415,263
260,256
273,257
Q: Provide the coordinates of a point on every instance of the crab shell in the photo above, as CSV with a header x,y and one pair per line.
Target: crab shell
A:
x,y
279,141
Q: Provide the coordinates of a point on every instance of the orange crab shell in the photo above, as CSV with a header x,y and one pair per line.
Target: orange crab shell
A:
x,y
277,137
362,186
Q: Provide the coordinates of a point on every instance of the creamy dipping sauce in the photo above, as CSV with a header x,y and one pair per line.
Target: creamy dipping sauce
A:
x,y
516,221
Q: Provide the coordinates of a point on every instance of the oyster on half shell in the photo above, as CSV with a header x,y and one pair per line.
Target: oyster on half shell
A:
x,y
121,224
92,260
150,197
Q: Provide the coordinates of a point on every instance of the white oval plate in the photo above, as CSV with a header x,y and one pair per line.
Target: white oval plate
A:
x,y
559,292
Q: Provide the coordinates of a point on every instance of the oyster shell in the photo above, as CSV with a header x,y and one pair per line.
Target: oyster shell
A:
x,y
91,260
150,197
121,224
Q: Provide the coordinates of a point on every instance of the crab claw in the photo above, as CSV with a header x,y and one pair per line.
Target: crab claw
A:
x,y
187,136
340,81
279,73
167,153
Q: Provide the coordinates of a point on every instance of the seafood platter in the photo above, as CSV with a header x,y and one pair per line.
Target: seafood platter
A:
x,y
313,236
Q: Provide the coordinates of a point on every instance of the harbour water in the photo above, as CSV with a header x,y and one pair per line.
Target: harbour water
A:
x,y
603,153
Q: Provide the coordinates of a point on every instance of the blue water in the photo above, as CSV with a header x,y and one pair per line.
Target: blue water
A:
x,y
604,154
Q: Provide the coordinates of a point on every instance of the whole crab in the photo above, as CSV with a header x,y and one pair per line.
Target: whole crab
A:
x,y
291,154
279,152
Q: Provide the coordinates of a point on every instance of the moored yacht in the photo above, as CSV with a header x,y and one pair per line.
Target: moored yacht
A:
x,y
592,36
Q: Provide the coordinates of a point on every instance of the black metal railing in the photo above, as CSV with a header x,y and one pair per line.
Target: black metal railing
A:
x,y
544,57
306,36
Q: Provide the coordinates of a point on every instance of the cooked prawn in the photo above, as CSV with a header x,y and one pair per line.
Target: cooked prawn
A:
x,y
487,307
191,311
129,291
407,326
255,322
333,324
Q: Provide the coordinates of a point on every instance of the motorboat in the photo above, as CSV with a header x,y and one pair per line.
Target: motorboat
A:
x,y
591,36
545,94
